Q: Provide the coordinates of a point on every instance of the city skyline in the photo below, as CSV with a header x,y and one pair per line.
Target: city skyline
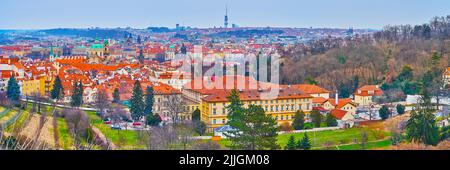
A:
x,y
47,14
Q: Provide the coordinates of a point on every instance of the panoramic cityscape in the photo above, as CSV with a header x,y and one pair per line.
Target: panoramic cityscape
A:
x,y
224,78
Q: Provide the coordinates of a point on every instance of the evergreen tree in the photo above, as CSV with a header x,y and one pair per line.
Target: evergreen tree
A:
x,y
137,103
58,90
254,130
305,143
316,117
200,127
422,128
116,96
331,120
400,109
384,112
299,120
291,145
235,117
77,95
153,119
13,90
149,100
196,115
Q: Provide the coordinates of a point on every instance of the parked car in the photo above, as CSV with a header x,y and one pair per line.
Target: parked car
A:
x,y
107,121
116,127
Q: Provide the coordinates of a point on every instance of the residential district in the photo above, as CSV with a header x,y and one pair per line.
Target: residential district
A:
x,y
113,67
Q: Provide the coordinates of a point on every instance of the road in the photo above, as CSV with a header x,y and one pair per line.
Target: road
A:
x,y
61,106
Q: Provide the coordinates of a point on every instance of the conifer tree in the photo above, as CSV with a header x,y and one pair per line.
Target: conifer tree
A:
x,y
304,143
13,90
77,95
253,129
299,120
149,100
316,117
58,90
137,103
291,145
116,96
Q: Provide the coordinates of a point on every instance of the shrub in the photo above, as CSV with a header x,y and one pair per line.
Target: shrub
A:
x,y
308,126
287,127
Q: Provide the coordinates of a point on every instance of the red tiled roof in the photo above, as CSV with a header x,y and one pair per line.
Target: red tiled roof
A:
x,y
338,114
310,89
210,85
255,95
319,100
364,91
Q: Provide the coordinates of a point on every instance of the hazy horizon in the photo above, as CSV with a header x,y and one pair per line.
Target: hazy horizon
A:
x,y
50,14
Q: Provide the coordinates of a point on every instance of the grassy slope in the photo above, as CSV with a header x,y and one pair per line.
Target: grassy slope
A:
x,y
318,139
65,139
126,138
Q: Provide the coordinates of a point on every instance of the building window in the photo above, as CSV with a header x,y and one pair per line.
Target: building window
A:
x,y
224,121
214,121
282,117
214,111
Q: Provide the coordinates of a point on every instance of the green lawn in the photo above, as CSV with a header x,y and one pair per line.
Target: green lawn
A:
x,y
335,137
384,144
126,139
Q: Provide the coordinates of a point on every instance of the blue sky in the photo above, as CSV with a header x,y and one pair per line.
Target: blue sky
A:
x,y
38,14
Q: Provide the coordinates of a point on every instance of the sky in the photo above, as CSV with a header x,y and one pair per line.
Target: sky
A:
x,y
44,14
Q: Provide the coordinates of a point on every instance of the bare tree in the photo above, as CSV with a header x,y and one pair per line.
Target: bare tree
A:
x,y
161,138
4,100
78,123
209,145
101,101
175,107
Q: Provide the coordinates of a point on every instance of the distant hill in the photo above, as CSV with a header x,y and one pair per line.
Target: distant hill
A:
x,y
93,33
247,33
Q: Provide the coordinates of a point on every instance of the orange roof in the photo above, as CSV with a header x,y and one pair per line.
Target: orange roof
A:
x,y
210,85
338,114
255,95
310,89
165,89
341,103
319,100
369,90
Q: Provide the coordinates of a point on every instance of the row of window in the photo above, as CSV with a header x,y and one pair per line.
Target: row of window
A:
x,y
270,101
282,117
273,108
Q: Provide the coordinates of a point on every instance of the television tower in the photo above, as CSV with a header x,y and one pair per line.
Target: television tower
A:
x,y
226,17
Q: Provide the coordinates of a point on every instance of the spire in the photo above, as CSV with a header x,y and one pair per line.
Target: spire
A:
x,y
226,17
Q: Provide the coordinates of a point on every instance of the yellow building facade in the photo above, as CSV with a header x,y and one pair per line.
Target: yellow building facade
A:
x,y
42,85
282,109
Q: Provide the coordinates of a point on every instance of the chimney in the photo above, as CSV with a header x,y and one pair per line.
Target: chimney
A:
x,y
337,97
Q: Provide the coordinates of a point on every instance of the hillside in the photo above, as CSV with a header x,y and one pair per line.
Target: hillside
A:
x,y
349,63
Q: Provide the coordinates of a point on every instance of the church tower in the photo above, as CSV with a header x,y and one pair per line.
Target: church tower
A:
x,y
106,47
